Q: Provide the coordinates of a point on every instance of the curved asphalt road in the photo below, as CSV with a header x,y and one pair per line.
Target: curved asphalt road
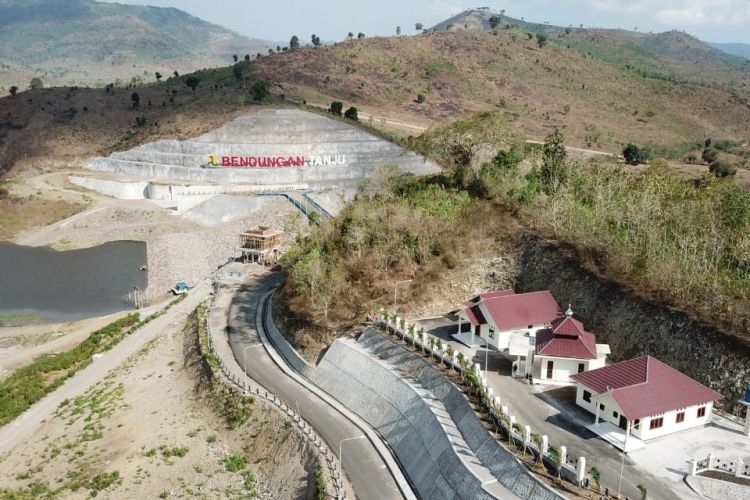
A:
x,y
367,473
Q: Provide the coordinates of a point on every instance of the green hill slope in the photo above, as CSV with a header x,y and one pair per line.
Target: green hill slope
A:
x,y
86,42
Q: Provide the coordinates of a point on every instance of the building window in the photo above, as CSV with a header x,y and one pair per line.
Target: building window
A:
x,y
615,414
656,423
680,417
637,424
492,334
581,367
701,412
601,407
531,327
550,367
587,396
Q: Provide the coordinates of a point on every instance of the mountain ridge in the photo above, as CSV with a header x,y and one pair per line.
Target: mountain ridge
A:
x,y
84,42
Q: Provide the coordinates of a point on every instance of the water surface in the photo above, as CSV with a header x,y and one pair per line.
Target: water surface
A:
x,y
44,284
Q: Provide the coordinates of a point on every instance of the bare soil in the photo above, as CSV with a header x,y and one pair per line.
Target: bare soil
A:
x,y
149,427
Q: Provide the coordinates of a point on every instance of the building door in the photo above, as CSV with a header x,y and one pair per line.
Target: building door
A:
x,y
550,367
623,423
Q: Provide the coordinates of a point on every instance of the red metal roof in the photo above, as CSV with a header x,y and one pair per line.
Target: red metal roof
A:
x,y
475,316
645,386
515,311
566,339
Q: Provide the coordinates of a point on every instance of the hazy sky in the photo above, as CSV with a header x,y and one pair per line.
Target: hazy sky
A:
x,y
711,20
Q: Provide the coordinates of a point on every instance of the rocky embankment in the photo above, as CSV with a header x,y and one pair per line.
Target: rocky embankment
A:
x,y
635,326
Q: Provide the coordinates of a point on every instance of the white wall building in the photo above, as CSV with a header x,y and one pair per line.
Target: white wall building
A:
x,y
564,349
644,397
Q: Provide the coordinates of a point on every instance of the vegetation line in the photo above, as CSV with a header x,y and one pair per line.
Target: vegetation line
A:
x,y
31,383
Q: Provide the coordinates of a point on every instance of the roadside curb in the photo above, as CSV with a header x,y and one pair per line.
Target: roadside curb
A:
x,y
371,435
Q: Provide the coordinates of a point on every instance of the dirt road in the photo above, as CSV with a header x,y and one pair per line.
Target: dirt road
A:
x,y
17,431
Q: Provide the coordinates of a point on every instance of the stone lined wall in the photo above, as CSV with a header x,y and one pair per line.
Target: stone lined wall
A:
x,y
272,132
363,376
634,326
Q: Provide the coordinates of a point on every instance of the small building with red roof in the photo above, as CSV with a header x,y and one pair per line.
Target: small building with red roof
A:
x,y
564,349
494,316
644,397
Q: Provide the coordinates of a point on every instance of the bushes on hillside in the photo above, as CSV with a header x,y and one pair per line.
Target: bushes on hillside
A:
x,y
410,228
722,168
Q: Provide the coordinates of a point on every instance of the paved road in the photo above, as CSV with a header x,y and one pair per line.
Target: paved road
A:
x,y
367,473
552,411
25,425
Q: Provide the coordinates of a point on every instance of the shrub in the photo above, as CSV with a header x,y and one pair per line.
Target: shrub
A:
x,y
320,484
336,108
235,463
351,114
421,98
710,155
721,168
259,90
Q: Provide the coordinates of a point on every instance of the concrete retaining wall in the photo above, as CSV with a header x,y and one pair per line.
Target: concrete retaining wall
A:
x,y
115,189
290,355
405,410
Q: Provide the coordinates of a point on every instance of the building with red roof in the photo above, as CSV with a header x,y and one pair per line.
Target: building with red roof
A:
x,y
564,349
645,397
494,316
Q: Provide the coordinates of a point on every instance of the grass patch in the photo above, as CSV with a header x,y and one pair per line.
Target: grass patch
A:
x,y
235,463
29,384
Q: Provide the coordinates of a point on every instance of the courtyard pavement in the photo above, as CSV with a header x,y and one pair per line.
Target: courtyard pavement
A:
x,y
660,466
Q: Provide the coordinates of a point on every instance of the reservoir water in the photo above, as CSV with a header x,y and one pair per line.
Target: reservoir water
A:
x,y
44,284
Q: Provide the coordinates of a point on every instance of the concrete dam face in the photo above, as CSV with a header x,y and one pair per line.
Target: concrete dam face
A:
x,y
273,147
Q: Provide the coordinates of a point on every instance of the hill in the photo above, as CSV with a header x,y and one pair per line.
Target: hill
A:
x,y
83,42
737,49
667,55
601,101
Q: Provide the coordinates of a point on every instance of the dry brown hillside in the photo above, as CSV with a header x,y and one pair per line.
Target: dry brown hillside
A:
x,y
600,104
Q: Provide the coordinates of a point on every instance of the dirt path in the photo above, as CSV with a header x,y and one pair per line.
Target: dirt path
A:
x,y
25,425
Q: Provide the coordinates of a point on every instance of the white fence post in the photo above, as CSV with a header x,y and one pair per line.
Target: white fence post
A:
x,y
504,409
581,470
710,464
526,434
693,467
740,468
545,445
563,455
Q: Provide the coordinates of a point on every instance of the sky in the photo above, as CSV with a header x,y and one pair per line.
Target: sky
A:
x,y
709,20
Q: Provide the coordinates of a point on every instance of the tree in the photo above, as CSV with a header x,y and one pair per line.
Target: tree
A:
x,y
554,170
351,114
136,100
419,26
13,90
634,155
235,57
247,57
259,90
541,40
316,40
270,51
509,159
350,36
721,168
336,108
176,74
237,70
398,30
596,476
294,43
36,83
361,35
192,81
158,76
495,21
